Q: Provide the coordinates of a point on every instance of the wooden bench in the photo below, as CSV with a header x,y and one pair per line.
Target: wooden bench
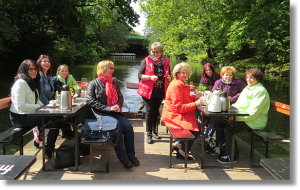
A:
x,y
266,136
12,135
91,142
180,135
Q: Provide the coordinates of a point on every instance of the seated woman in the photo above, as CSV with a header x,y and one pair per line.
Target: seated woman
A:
x,y
209,76
253,100
105,99
25,98
233,87
63,78
179,106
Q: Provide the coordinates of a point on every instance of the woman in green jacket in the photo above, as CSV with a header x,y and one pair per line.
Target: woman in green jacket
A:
x,y
253,100
63,77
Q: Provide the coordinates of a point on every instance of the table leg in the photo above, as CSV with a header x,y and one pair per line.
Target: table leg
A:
x,y
170,154
43,141
76,142
233,144
186,153
202,142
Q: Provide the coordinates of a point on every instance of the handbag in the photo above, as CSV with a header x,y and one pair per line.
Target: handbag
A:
x,y
105,127
64,157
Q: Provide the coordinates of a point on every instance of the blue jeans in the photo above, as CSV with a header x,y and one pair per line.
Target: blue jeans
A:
x,y
125,147
211,127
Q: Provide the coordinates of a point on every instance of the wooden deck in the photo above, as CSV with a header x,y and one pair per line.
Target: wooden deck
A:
x,y
154,163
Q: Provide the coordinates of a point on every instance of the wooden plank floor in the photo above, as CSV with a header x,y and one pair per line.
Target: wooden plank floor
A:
x,y
154,163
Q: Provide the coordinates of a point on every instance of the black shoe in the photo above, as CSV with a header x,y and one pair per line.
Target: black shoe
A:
x,y
134,161
225,159
212,151
154,134
178,155
126,163
149,138
175,148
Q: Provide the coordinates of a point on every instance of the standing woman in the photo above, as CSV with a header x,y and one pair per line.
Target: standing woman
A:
x,y
153,75
209,76
104,97
25,98
47,91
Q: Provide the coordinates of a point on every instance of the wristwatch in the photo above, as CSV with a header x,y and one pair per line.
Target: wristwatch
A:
x,y
149,78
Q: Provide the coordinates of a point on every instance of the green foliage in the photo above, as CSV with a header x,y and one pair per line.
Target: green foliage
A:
x,y
70,31
201,87
225,30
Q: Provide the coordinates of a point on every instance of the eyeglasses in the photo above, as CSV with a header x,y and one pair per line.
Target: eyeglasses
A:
x,y
112,68
32,69
158,52
184,73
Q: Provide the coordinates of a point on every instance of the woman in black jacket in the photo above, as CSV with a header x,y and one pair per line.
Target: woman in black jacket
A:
x,y
209,76
105,99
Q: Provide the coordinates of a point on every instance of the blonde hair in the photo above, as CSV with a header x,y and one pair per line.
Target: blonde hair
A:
x,y
227,69
183,66
157,45
103,66
60,67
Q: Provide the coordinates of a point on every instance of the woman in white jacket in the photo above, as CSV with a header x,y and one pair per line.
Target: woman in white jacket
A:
x,y
25,98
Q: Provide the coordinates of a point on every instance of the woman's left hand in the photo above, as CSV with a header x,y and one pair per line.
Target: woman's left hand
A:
x,y
115,108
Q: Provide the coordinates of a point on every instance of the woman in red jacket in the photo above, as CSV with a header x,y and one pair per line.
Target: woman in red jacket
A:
x,y
179,106
153,75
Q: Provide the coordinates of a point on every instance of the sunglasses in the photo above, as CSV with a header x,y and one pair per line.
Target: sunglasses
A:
x,y
156,52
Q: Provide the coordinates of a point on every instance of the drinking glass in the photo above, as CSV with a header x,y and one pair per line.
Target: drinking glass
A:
x,y
84,81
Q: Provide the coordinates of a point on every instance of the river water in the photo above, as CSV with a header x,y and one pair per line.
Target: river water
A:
x,y
126,70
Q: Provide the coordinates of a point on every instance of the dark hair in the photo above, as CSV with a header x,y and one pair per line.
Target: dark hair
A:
x,y
256,73
23,74
214,75
39,61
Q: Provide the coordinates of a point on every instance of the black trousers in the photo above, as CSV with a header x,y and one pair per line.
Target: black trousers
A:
x,y
26,121
152,112
240,126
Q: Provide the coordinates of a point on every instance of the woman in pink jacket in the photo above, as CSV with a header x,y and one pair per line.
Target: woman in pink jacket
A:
x,y
179,106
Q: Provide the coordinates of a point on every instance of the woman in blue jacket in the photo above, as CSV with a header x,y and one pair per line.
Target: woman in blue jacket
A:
x,y
46,94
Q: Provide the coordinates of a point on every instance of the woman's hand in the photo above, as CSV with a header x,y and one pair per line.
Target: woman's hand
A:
x,y
230,120
168,78
154,78
231,99
198,102
198,95
115,108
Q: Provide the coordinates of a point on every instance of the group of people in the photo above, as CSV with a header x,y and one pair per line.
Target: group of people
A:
x,y
178,109
34,86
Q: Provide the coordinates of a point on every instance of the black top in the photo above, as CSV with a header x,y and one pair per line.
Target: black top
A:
x,y
158,87
210,81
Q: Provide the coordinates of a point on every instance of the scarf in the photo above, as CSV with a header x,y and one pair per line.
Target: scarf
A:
x,y
227,82
156,61
68,81
111,93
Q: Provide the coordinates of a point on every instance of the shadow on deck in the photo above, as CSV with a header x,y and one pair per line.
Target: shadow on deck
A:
x,y
154,163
